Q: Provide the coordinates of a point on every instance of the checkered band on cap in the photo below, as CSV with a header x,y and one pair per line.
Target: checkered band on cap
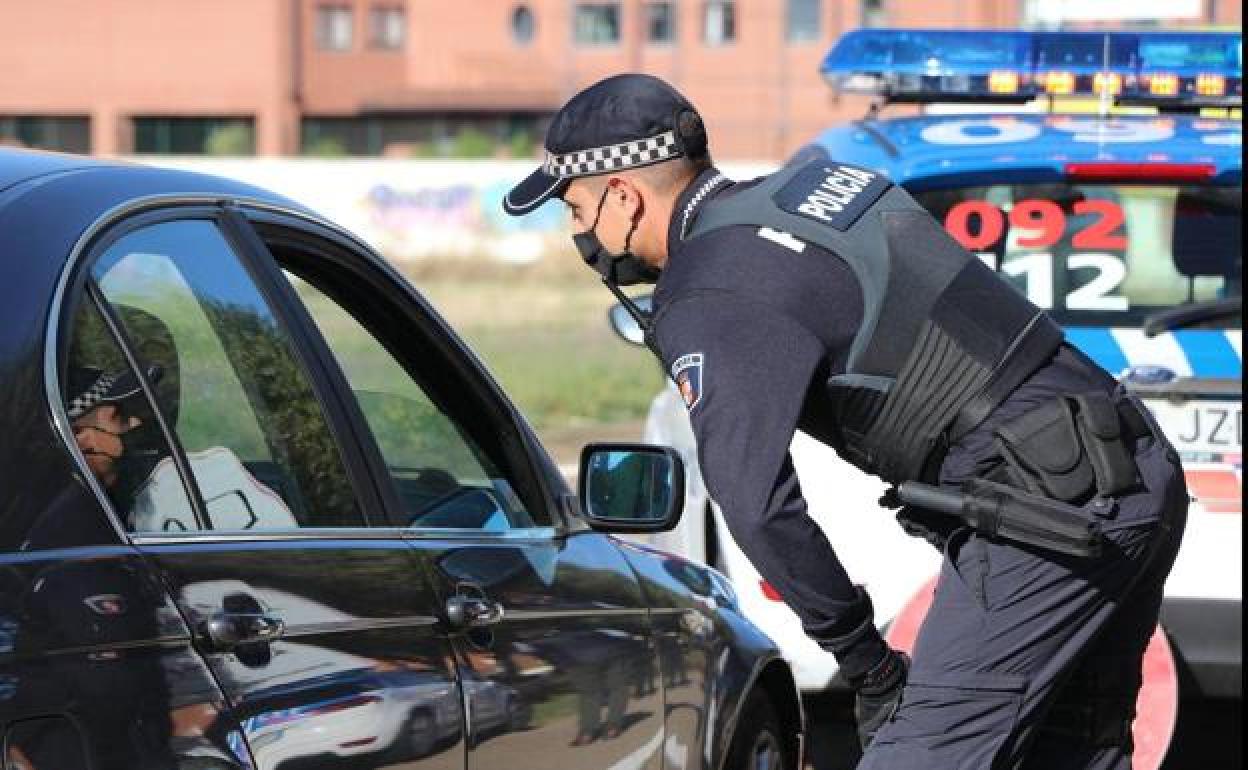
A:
x,y
599,160
86,401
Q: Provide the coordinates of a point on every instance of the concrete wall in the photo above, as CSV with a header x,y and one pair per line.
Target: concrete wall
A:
x,y
413,209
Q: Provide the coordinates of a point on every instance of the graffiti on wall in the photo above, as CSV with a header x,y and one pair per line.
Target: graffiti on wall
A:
x,y
459,220
412,209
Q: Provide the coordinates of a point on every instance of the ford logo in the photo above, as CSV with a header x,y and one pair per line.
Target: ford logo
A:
x,y
1148,374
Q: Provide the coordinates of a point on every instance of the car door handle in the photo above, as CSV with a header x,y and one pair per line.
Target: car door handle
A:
x,y
472,612
227,630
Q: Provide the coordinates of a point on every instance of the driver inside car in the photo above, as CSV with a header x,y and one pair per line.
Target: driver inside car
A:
x,y
125,448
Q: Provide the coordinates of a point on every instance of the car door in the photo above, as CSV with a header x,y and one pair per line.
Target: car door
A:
x,y
552,638
241,482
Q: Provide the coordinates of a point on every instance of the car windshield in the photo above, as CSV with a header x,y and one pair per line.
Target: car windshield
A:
x,y
1098,254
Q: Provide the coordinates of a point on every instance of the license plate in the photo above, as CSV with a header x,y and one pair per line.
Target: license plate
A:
x,y
1214,427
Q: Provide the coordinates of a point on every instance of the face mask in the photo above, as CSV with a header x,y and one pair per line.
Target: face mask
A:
x,y
621,269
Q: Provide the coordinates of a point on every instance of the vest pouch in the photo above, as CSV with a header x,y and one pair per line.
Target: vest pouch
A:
x,y
1044,455
1103,440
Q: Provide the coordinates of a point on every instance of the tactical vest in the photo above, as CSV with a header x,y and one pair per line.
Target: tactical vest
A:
x,y
943,339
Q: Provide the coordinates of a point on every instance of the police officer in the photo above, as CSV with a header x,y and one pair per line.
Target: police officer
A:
x,y
822,298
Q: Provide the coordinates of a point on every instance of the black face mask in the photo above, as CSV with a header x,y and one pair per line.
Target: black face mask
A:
x,y
620,269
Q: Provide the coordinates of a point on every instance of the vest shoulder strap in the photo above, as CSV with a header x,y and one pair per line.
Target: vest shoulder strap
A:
x,y
833,205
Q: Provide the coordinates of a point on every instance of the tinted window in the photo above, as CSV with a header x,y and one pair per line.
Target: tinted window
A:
x,y
436,453
387,27
596,23
195,136
334,27
802,20
65,134
523,25
660,22
873,13
719,22
228,384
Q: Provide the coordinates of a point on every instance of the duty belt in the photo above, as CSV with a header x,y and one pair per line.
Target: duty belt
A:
x,y
997,507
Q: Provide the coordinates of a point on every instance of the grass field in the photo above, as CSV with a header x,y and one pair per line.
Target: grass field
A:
x,y
547,341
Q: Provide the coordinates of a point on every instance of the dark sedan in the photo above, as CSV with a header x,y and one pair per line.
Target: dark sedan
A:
x,y
261,508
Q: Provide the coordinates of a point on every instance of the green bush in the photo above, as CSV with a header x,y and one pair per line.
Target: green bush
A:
x,y
230,139
325,147
473,143
520,145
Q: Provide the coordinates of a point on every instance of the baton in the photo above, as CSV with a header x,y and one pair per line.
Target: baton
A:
x,y
997,510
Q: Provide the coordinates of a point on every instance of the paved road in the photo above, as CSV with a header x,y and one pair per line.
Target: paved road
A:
x,y
1209,736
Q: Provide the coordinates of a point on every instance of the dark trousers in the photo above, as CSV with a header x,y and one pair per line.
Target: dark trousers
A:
x,y
1030,660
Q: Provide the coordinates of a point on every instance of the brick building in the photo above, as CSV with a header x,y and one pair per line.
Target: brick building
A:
x,y
367,77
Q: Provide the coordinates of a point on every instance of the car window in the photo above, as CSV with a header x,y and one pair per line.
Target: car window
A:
x,y
228,383
1102,255
114,426
442,474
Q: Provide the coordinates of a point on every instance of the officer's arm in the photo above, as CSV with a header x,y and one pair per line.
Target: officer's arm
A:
x,y
744,370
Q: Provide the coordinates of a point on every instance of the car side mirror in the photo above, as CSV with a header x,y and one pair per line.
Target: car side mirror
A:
x,y
631,488
624,323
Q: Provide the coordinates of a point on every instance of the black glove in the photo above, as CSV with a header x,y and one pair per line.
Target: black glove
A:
x,y
879,694
933,527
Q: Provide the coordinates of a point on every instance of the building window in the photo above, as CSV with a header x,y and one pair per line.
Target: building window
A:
x,y
423,136
63,134
873,13
802,22
719,22
195,136
523,25
660,23
597,23
334,27
387,27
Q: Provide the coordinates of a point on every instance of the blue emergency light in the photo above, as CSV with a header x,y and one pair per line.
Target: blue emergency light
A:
x,y
1164,69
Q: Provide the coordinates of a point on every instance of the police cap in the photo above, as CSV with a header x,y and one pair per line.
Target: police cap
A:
x,y
624,121
92,387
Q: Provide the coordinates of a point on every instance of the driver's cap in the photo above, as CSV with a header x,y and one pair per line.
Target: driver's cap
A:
x,y
94,387
625,121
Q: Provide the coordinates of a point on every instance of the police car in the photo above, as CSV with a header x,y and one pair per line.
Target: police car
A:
x,y
1125,226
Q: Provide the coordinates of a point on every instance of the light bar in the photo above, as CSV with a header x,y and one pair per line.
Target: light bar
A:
x,y
1179,69
1058,83
1003,82
1210,85
1162,84
1107,83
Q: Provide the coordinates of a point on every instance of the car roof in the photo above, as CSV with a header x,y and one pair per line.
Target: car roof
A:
x,y
930,150
20,165
24,171
67,194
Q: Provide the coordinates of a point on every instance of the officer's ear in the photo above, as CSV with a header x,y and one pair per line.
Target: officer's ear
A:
x,y
624,193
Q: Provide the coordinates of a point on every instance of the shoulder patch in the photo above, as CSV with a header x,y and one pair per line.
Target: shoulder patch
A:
x,y
834,194
687,374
